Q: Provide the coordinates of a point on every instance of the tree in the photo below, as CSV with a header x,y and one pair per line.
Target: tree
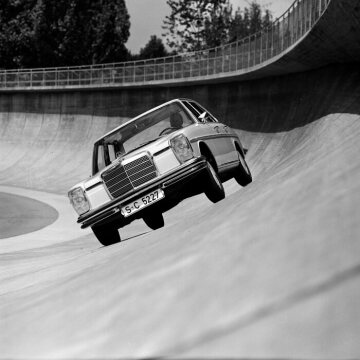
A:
x,y
238,27
249,21
111,31
216,27
72,32
153,49
267,19
202,24
16,31
255,17
41,33
190,23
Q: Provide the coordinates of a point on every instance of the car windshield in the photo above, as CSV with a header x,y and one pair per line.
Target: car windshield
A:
x,y
137,133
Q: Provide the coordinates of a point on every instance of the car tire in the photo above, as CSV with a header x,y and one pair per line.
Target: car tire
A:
x,y
154,221
106,234
242,174
214,189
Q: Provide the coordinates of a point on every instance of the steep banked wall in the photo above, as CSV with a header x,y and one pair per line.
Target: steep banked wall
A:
x,y
46,137
49,149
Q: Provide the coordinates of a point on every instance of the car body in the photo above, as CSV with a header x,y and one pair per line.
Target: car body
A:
x,y
147,165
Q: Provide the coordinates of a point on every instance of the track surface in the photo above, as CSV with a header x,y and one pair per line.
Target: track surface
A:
x,y
271,271
21,215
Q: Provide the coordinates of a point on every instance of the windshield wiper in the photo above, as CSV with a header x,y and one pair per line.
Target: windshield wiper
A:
x,y
141,145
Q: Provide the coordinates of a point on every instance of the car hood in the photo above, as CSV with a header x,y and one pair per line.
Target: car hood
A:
x,y
153,147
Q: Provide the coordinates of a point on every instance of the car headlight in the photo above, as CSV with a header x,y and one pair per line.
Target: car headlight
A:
x,y
79,201
181,147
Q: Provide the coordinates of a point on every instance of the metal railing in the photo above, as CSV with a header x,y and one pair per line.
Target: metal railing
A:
x,y
240,56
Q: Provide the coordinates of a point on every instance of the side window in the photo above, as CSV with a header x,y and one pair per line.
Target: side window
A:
x,y
191,109
197,110
100,157
112,154
201,110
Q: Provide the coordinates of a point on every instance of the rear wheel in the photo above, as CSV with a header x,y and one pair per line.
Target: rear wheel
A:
x,y
242,172
154,221
106,234
214,189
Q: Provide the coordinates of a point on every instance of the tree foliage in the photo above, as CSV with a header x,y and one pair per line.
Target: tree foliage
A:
x,y
216,26
201,24
155,48
190,23
39,33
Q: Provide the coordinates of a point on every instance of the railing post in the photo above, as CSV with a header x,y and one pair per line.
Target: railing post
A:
x,y
164,69
236,55
266,43
253,52
296,21
173,67
241,54
301,17
207,63
144,71
248,50
222,60
272,42
307,21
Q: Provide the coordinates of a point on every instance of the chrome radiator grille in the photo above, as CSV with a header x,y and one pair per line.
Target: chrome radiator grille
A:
x,y
123,178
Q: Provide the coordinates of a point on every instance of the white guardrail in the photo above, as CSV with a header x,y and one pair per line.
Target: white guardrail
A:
x,y
240,55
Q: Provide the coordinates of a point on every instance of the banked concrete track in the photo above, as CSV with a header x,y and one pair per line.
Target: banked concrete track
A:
x,y
272,271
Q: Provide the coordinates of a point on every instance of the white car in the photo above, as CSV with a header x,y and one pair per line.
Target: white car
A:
x,y
147,165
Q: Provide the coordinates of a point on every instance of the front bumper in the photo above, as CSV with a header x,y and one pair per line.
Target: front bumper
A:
x,y
165,182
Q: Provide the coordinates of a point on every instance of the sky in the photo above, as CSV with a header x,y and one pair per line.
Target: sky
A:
x,y
146,17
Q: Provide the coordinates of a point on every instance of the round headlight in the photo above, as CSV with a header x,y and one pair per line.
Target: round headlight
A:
x,y
79,201
181,148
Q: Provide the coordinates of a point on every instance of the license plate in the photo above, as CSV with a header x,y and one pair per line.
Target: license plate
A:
x,y
142,202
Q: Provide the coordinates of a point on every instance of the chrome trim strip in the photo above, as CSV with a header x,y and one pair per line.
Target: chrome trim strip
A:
x,y
93,186
161,151
214,136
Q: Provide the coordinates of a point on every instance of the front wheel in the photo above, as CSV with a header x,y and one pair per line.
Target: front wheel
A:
x,y
106,234
214,189
154,221
242,172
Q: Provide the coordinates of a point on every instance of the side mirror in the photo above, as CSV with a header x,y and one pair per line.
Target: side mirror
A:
x,y
202,117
